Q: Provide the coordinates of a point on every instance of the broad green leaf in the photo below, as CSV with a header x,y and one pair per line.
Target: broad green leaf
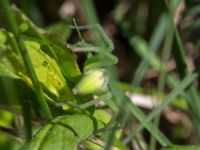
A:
x,y
46,68
81,124
55,43
102,118
63,132
48,72
54,64
64,57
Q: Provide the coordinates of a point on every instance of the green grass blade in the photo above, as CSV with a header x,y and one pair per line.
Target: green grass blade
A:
x,y
180,59
162,78
187,81
156,39
125,102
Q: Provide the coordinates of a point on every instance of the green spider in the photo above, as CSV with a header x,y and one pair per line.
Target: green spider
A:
x,y
95,77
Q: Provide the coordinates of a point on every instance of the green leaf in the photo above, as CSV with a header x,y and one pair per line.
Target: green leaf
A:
x,y
57,49
54,64
64,56
64,132
102,118
46,68
54,42
48,72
